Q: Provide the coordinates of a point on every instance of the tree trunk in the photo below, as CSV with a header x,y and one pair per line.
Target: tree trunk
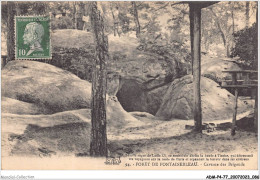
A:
x,y
222,34
98,144
191,38
195,29
74,15
227,50
247,14
114,26
17,9
136,19
256,111
233,26
80,13
10,32
233,128
41,7
256,91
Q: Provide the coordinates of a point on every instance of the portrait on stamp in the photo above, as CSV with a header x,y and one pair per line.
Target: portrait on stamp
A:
x,y
33,36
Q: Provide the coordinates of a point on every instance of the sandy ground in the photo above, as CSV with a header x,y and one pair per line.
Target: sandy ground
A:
x,y
172,137
147,135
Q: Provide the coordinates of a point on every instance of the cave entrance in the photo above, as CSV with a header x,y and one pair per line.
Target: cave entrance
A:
x,y
131,96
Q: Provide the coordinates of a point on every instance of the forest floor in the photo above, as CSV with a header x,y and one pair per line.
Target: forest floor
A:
x,y
147,135
171,137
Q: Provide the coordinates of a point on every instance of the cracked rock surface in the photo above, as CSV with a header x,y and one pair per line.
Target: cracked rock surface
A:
x,y
217,103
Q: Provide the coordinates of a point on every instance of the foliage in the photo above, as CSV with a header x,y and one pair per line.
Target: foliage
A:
x,y
60,7
221,21
173,51
81,66
43,8
63,22
4,13
22,8
169,42
124,22
217,26
29,8
164,25
246,46
4,16
123,17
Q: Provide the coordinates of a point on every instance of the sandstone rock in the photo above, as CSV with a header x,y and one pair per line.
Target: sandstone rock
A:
x,y
72,52
124,55
66,133
13,106
217,103
116,115
31,93
141,115
126,63
48,87
113,83
213,69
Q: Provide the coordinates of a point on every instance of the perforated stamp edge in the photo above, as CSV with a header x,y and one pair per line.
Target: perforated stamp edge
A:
x,y
15,36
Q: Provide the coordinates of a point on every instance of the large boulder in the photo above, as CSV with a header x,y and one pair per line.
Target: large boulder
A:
x,y
46,86
217,103
66,133
73,50
31,88
117,117
212,68
45,135
46,111
14,106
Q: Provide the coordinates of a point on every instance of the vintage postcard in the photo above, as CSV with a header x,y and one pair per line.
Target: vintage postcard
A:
x,y
146,85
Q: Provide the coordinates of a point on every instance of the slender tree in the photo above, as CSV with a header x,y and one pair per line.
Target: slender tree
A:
x,y
195,35
80,12
224,33
10,31
136,19
111,9
247,13
98,144
74,15
233,24
256,90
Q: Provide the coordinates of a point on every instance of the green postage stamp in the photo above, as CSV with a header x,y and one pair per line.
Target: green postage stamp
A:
x,y
32,37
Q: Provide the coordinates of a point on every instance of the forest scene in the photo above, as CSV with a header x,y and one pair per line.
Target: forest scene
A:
x,y
132,78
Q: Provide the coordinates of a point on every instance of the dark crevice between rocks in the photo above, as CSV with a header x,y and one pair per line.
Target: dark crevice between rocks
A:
x,y
131,96
144,96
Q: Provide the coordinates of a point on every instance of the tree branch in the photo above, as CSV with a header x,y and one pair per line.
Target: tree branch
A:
x,y
182,2
219,27
162,7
